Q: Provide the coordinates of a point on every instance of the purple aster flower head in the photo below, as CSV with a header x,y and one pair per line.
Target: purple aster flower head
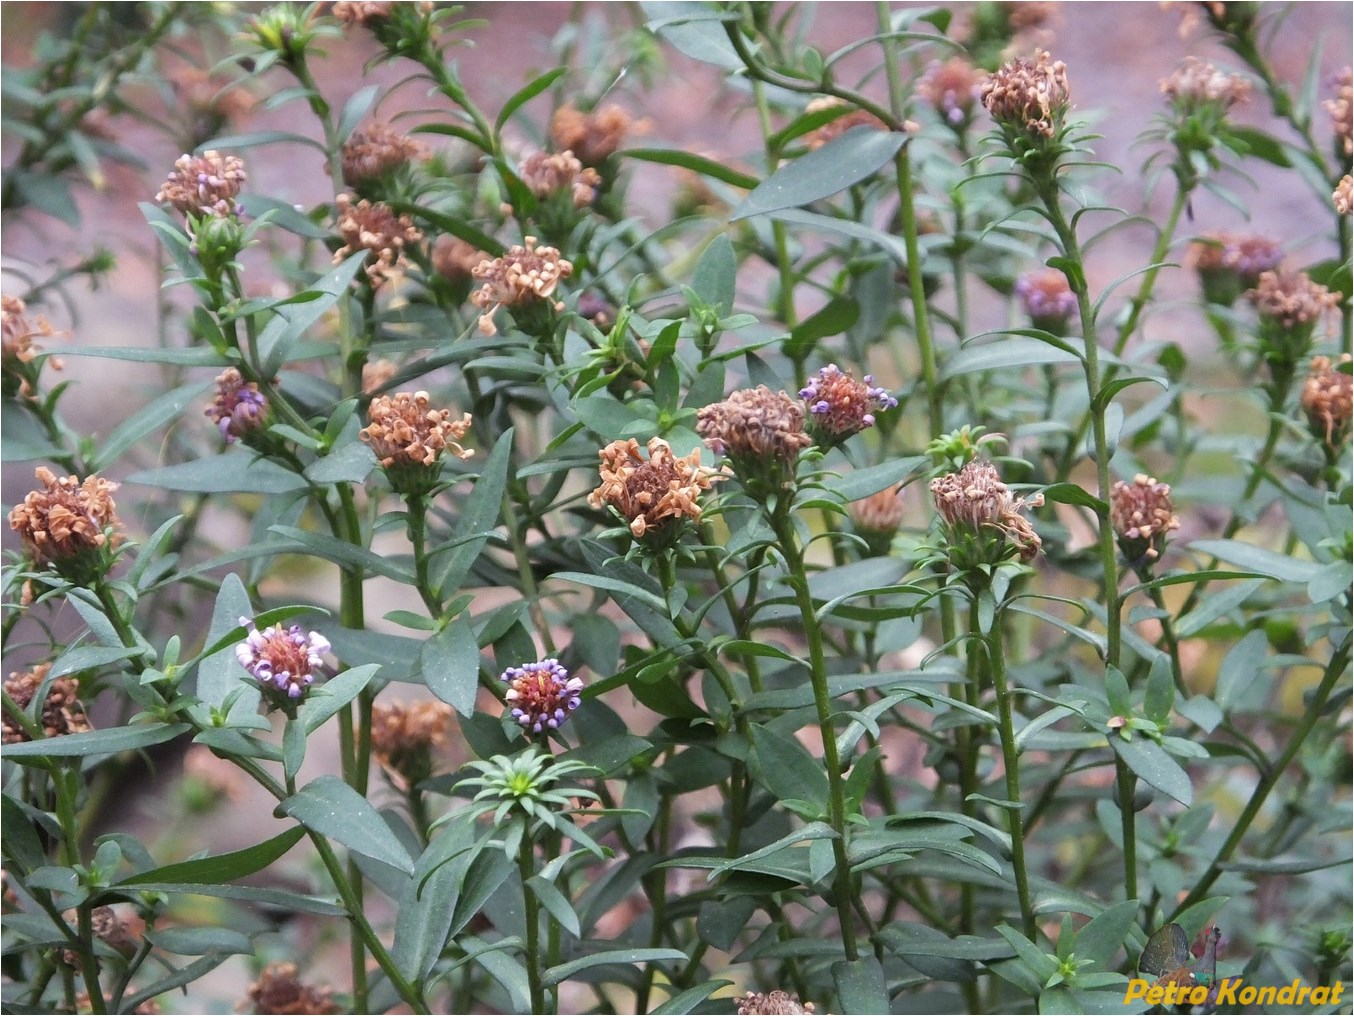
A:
x,y
840,406
1047,299
284,661
239,407
542,694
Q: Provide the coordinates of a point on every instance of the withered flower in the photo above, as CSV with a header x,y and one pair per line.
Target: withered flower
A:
x,y
68,524
877,518
541,694
17,350
62,712
376,150
410,437
834,129
1029,97
526,276
840,406
279,991
1291,301
761,431
1196,85
238,407
1047,298
592,137
982,519
376,374
375,228
454,259
772,1003
205,184
1339,108
1142,515
647,492
546,175
361,12
1344,195
403,735
1328,400
1227,264
952,89
121,929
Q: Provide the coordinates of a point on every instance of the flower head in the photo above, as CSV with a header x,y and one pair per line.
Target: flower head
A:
x,y
68,524
62,712
238,408
1029,97
1142,515
455,259
876,518
1291,300
526,276
546,175
840,406
982,518
649,491
592,137
835,128
1228,265
17,350
284,661
1047,298
403,735
205,184
375,228
1197,86
952,88
279,991
761,431
377,150
1343,196
1339,108
772,1003
1328,399
410,438
376,374
542,694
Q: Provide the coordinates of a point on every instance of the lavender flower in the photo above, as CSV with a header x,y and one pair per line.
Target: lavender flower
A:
x,y
840,406
284,661
542,695
238,407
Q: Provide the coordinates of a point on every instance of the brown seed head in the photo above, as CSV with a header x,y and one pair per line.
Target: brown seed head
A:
x,y
1339,109
952,88
1028,95
1142,514
1328,399
755,424
975,499
772,1003
648,491
365,226
405,431
377,149
62,712
404,733
279,991
834,129
205,184
881,512
1291,300
1196,83
546,174
592,137
525,274
67,518
16,346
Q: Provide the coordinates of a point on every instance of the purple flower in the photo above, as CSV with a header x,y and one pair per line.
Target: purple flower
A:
x,y
238,408
840,406
1047,299
542,695
284,661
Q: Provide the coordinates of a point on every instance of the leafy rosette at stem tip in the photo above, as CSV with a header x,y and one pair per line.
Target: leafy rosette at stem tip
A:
x,y
284,661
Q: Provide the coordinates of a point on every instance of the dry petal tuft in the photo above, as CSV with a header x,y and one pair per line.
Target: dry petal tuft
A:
x,y
1240,260
376,374
1196,84
881,512
1344,195
406,431
238,408
279,991
1030,96
649,491
1327,397
772,1003
755,424
1291,300
62,712
403,735
455,259
376,228
524,275
67,519
974,501
16,347
1339,108
1142,515
592,137
205,184
546,174
376,150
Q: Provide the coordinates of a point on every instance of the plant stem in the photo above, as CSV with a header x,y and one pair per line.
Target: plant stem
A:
x,y
526,855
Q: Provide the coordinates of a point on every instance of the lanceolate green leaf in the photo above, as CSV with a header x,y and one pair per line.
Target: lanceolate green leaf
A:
x,y
853,157
97,742
222,867
331,808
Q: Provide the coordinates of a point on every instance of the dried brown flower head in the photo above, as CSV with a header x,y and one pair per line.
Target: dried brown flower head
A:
x,y
648,491
1291,300
524,275
405,431
1196,84
976,506
377,374
375,228
546,174
834,129
62,712
403,735
66,521
238,407
211,104
454,259
1328,400
377,149
1029,96
17,350
592,137
205,184
772,1003
755,426
881,512
952,89
1339,109
361,12
279,991
1240,260
121,929
1344,195
1142,515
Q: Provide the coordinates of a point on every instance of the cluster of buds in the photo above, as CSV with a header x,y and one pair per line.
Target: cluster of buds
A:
x,y
61,713
547,175
1142,515
19,364
850,117
1047,299
69,525
761,432
840,406
284,661
982,520
651,493
772,1003
592,137
204,186
1197,87
1289,307
1327,397
238,408
877,518
377,229
410,438
1028,100
403,735
542,694
1229,265
279,990
121,929
952,89
523,280
1341,110
377,150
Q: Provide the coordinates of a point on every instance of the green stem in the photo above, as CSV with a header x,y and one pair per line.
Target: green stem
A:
x,y
417,516
526,855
